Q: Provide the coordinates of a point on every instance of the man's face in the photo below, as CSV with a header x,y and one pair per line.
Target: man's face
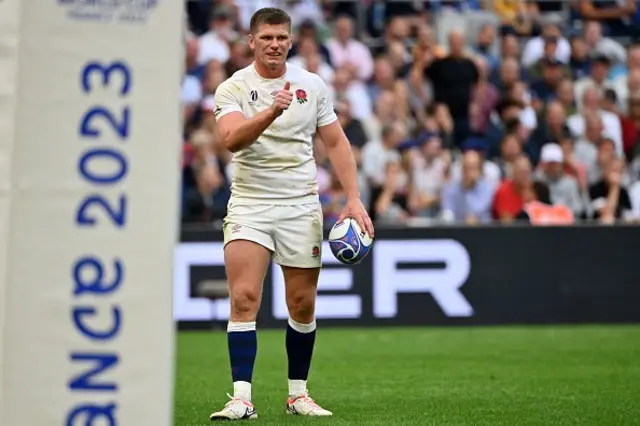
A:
x,y
271,44
522,172
553,169
510,148
510,72
487,35
593,128
599,71
551,73
579,48
471,168
565,92
555,115
456,43
343,29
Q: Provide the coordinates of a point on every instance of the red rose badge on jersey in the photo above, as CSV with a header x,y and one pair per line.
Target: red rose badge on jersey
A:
x,y
301,96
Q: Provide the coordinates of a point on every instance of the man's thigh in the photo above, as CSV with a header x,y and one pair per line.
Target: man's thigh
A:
x,y
297,235
251,223
248,247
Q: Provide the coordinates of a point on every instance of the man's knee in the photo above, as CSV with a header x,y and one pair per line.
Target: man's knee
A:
x,y
301,305
245,303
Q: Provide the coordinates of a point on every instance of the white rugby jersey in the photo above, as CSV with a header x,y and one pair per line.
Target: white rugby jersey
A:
x,y
279,167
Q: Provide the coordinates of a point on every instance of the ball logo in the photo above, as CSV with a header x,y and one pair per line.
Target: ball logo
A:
x,y
348,242
107,11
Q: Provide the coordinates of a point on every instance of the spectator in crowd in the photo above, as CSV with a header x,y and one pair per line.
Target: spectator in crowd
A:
x,y
579,62
377,154
631,87
563,189
597,78
430,171
390,205
240,56
509,73
621,73
591,104
510,47
609,199
490,171
513,193
214,45
528,116
308,32
345,51
468,200
549,56
551,127
333,200
534,49
634,197
346,86
309,57
571,166
586,147
484,99
541,212
600,45
453,79
203,181
616,15
485,46
566,96
631,127
552,72
510,150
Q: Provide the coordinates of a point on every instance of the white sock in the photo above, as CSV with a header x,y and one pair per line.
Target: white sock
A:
x,y
242,390
302,328
297,388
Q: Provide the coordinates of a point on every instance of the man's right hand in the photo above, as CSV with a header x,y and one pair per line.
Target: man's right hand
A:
x,y
282,100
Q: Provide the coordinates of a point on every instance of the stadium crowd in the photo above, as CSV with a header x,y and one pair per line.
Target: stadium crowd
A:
x,y
457,111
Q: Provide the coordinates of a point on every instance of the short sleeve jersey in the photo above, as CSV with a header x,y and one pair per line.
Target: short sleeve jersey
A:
x,y
279,167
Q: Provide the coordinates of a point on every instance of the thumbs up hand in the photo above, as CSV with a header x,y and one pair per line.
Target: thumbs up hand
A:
x,y
282,100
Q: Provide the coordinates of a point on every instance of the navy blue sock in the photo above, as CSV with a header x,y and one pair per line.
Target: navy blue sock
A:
x,y
243,346
300,340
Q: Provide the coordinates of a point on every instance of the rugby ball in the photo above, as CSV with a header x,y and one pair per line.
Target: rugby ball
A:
x,y
348,243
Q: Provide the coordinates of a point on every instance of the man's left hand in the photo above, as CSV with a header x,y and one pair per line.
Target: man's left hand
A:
x,y
355,210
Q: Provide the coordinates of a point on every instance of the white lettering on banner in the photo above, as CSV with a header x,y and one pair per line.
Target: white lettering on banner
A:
x,y
327,306
93,219
9,35
443,284
185,307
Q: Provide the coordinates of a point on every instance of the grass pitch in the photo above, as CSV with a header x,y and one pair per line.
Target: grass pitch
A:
x,y
542,376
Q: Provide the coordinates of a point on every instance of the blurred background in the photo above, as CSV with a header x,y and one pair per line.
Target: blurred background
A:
x,y
458,112
469,120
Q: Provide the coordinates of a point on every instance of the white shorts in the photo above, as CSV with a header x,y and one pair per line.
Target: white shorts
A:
x,y
293,233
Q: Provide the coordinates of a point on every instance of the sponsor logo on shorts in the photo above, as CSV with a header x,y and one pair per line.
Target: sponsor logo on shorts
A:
x,y
236,228
315,252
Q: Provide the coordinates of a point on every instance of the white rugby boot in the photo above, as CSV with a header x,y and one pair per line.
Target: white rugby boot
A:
x,y
305,406
235,409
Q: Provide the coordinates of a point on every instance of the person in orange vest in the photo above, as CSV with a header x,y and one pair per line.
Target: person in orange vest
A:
x,y
540,211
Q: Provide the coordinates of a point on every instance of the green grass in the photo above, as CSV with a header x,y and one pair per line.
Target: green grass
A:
x,y
432,376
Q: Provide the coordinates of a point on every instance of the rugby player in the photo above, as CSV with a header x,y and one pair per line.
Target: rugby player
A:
x,y
267,115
